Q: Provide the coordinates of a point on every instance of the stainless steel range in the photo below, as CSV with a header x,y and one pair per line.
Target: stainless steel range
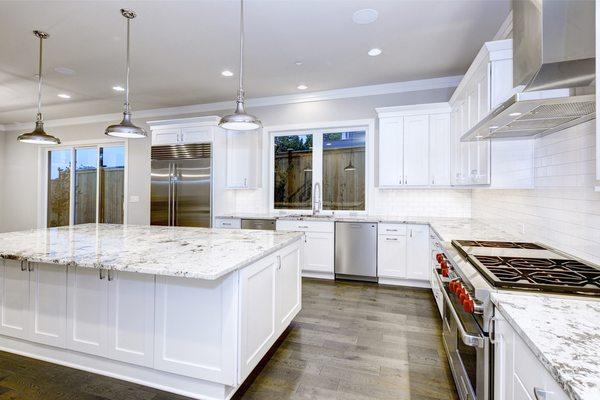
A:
x,y
469,271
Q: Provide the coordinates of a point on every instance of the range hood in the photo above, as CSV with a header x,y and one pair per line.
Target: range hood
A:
x,y
553,71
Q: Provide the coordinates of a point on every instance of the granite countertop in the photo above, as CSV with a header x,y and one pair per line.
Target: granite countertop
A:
x,y
174,251
563,333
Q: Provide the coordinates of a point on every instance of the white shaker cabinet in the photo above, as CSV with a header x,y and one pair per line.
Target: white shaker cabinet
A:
x,y
417,254
14,299
416,150
165,136
439,149
47,304
243,160
391,252
391,152
186,131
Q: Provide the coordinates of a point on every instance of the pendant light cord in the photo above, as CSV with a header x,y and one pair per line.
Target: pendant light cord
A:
x,y
39,104
127,71
241,88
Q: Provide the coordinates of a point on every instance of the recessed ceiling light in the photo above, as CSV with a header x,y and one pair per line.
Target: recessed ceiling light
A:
x,y
118,88
227,73
514,114
365,16
374,52
64,71
302,87
493,127
64,96
298,63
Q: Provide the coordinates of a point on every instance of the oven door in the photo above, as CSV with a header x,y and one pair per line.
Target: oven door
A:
x,y
467,347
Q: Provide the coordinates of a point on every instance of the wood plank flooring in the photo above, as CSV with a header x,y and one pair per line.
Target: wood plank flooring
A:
x,y
351,341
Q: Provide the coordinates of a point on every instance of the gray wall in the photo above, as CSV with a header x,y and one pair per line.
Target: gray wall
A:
x,y
19,173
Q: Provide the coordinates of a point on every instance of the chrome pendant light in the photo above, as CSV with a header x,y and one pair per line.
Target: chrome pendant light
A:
x,y
126,129
38,135
240,120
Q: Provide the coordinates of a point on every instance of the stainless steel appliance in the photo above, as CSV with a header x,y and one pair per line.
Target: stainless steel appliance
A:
x,y
553,71
181,185
468,271
260,224
356,251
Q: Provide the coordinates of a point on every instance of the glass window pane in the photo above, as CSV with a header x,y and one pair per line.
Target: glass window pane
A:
x,y
344,171
59,186
85,185
293,172
112,184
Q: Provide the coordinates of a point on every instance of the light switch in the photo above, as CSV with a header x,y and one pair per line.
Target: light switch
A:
x,y
134,199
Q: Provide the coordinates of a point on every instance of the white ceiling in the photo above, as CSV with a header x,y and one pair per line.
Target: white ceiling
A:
x,y
180,47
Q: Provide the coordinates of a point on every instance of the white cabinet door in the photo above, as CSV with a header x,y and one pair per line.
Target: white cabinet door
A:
x,y
391,256
196,135
258,327
195,329
391,152
166,136
464,147
288,285
319,252
131,317
87,311
48,304
243,159
416,150
439,149
14,299
417,252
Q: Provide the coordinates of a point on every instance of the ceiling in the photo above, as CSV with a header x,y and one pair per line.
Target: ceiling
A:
x,y
179,49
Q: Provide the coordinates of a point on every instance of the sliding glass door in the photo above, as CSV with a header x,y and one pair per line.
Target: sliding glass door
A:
x,y
333,159
85,185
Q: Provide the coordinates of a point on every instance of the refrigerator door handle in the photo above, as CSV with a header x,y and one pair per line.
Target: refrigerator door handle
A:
x,y
169,199
174,196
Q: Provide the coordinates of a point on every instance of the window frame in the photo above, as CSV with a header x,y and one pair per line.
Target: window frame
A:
x,y
318,130
42,220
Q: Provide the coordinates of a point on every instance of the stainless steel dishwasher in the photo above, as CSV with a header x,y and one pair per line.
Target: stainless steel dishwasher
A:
x,y
356,251
260,224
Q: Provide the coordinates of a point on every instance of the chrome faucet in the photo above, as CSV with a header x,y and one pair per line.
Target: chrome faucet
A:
x,y
317,199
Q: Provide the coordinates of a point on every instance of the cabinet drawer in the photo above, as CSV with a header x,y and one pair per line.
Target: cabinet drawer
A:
x,y
392,229
306,226
228,223
532,374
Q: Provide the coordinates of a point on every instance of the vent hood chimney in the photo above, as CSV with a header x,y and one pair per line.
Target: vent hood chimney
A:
x,y
553,71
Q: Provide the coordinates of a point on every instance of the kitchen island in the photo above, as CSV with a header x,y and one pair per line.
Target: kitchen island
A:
x,y
186,310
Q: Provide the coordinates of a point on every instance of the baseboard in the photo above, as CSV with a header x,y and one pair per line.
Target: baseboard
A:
x,y
318,275
405,282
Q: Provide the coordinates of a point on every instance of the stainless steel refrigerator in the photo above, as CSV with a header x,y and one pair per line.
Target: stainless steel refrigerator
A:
x,y
181,185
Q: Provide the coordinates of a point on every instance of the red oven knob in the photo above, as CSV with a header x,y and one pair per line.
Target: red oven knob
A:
x,y
439,257
445,272
464,296
469,305
444,264
452,285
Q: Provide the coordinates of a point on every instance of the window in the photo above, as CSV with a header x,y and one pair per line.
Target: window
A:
x,y
337,162
85,184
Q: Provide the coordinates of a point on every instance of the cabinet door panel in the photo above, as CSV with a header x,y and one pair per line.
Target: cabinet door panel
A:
x,y
131,318
439,149
243,158
390,152
48,304
320,250
417,252
196,135
288,286
14,299
87,311
416,150
391,254
167,136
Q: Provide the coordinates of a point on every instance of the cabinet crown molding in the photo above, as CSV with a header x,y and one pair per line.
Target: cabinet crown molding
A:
x,y
211,120
413,109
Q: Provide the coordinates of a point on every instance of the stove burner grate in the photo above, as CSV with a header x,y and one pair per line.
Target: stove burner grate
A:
x,y
499,244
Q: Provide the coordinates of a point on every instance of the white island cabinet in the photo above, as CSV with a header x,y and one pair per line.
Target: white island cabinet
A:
x,y
192,316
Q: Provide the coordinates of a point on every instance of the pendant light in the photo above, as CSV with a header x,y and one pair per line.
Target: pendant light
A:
x,y
240,120
126,129
350,167
38,135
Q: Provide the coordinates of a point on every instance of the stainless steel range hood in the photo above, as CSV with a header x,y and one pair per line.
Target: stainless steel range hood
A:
x,y
553,69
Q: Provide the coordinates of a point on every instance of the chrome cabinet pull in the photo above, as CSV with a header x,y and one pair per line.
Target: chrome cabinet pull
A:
x,y
392,239
23,265
101,273
278,263
302,226
30,266
110,275
540,394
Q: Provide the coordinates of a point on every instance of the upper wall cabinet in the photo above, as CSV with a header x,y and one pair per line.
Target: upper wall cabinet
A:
x,y
243,159
487,83
414,145
183,131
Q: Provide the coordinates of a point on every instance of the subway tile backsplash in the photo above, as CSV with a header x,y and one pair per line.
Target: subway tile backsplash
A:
x,y
563,210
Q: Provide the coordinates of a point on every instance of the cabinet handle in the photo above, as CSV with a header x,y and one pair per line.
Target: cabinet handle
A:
x,y
245,182
23,265
392,239
540,394
391,230
411,233
30,266
110,275
226,223
278,263
302,227
101,273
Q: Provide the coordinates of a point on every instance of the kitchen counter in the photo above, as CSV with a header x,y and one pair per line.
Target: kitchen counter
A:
x,y
563,333
172,251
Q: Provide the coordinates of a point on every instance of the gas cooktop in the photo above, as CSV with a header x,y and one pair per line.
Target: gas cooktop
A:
x,y
518,265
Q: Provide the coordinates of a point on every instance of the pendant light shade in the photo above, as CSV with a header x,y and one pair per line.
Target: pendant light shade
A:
x,y
38,135
126,129
240,120
350,167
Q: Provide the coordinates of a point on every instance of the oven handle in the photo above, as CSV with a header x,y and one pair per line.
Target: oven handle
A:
x,y
469,340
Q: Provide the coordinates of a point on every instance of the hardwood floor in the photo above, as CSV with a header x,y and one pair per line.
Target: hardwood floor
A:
x,y
351,341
